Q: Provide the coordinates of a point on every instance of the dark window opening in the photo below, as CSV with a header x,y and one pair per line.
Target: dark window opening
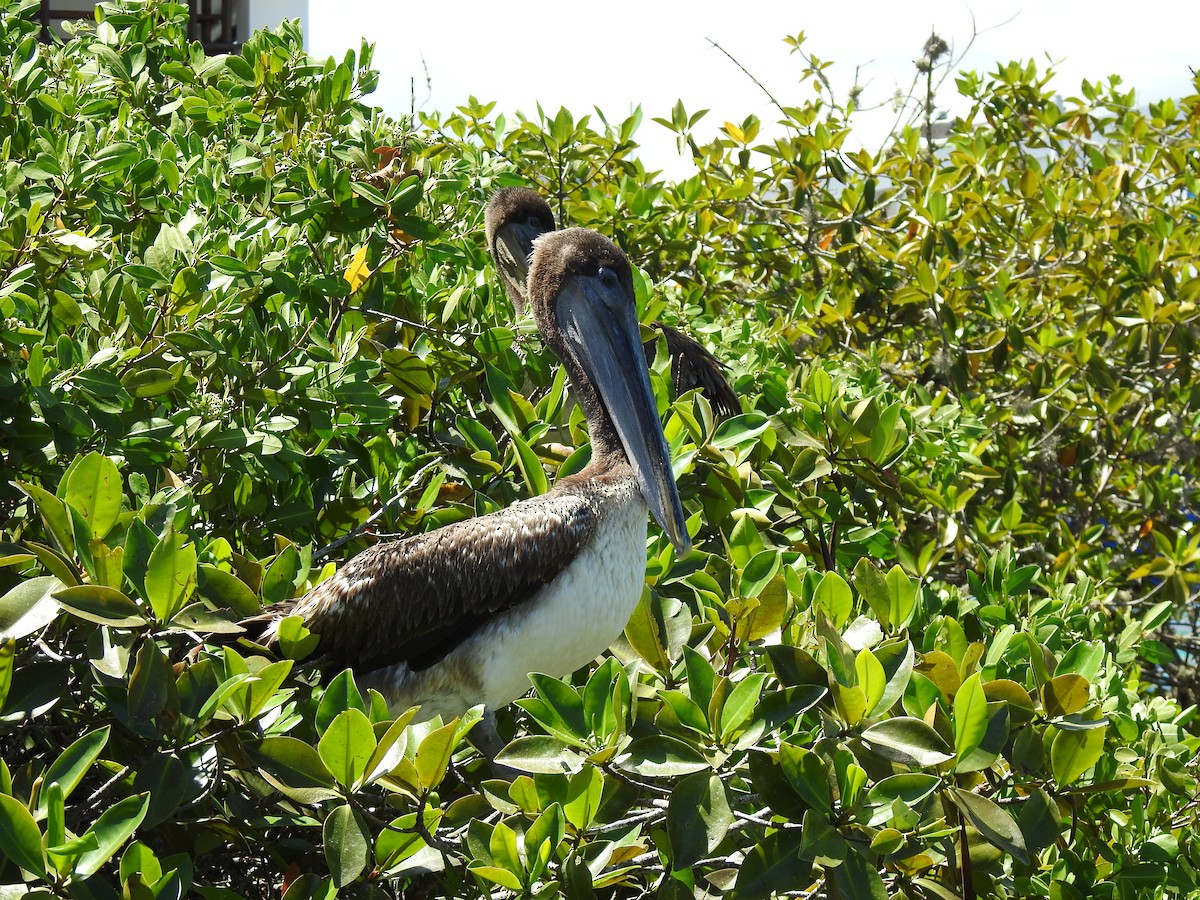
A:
x,y
214,23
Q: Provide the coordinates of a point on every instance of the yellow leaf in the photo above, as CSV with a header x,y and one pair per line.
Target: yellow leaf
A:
x,y
358,271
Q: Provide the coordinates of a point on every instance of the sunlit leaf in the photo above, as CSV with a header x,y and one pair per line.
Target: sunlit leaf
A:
x,y
94,489
908,741
20,838
1074,752
970,716
111,830
29,607
357,271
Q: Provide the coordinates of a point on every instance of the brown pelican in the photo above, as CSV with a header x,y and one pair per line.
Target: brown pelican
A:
x,y
459,616
516,216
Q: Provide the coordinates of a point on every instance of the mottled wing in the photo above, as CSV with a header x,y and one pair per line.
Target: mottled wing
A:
x,y
415,599
692,366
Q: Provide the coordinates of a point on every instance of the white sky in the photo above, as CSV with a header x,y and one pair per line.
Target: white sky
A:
x,y
623,53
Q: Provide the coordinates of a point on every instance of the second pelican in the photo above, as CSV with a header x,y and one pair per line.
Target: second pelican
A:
x,y
460,615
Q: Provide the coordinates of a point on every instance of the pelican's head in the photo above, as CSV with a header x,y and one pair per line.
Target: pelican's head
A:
x,y
581,291
515,217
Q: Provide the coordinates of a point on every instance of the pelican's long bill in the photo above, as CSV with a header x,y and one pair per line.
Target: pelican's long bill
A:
x,y
514,243
613,359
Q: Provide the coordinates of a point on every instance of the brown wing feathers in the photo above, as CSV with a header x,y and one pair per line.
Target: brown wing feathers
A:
x,y
692,366
415,599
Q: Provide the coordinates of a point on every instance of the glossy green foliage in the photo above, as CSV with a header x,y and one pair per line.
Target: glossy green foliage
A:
x,y
245,315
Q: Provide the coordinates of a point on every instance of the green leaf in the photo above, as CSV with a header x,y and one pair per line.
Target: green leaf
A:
x,y
149,685
871,678
582,800
111,830
659,755
20,838
139,544
767,777
970,716
496,875
744,541
738,430
94,489
55,563
563,706
1074,752
279,581
773,865
389,749
292,762
433,755
341,694
217,698
819,385
992,744
8,651
1084,658
698,818
644,632
606,699
297,642
902,597
54,514
347,844
996,825
170,575
897,658
873,587
888,435
740,703
346,746
857,878
540,753
808,775
684,710
100,604
910,788
834,597
531,467
907,741
1040,821
29,607
262,690
400,841
502,847
226,590
758,572
546,833
793,666
150,382
851,702
779,707
138,859
165,780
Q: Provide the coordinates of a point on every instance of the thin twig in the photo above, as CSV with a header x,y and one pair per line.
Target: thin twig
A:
x,y
747,73
409,323
412,485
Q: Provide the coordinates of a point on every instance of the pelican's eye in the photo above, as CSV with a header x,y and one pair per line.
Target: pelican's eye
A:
x,y
534,222
607,277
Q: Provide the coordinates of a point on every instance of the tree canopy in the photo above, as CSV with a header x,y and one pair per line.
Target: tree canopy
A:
x,y
933,639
